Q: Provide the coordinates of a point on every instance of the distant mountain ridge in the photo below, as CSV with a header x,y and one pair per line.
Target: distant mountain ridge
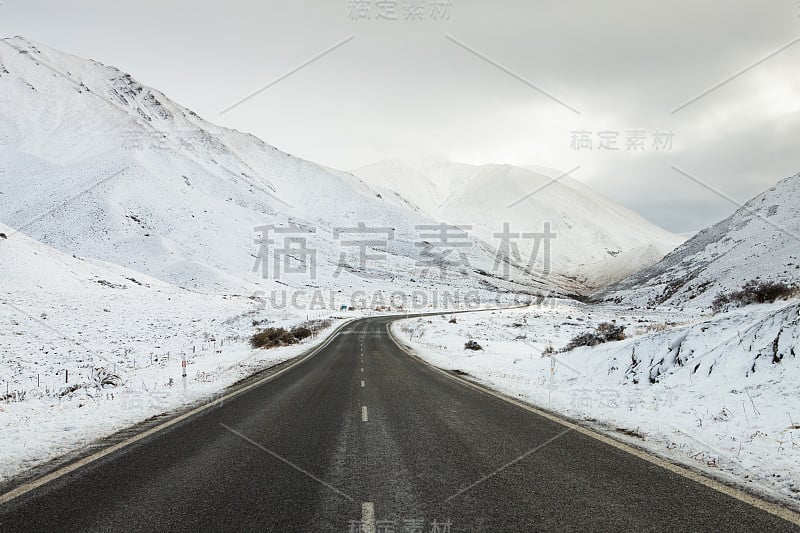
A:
x,y
598,241
760,241
98,165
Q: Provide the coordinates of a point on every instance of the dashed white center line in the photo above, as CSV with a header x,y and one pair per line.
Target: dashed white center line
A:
x,y
364,417
368,517
362,383
362,368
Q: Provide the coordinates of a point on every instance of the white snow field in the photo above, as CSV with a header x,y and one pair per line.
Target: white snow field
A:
x,y
128,241
70,322
597,241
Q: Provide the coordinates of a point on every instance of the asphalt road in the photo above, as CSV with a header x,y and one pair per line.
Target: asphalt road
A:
x,y
410,450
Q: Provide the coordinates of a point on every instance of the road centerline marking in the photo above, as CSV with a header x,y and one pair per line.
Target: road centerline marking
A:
x,y
362,383
368,517
364,417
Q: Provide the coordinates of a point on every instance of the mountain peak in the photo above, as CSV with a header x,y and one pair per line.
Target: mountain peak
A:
x,y
761,240
126,175
598,240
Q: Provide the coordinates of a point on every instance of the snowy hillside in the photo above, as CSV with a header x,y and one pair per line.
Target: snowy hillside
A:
x,y
761,240
597,241
75,313
128,241
718,394
97,165
88,348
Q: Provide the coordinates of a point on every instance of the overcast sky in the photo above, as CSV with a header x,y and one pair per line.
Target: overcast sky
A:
x,y
478,82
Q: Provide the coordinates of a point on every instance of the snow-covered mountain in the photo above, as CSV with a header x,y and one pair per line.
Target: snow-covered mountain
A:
x,y
761,240
597,241
47,296
97,165
68,323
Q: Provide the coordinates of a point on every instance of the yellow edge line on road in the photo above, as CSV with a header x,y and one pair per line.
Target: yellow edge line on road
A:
x,y
47,478
739,494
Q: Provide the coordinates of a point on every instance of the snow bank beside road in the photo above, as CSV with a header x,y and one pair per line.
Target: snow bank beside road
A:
x,y
720,394
40,423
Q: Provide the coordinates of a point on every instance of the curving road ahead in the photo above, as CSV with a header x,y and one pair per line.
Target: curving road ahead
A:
x,y
362,437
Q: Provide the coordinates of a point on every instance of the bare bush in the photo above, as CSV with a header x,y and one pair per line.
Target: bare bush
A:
x,y
605,332
610,331
275,337
300,333
271,338
14,396
103,378
472,345
754,292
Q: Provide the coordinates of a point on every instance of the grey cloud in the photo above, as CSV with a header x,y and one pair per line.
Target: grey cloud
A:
x,y
401,88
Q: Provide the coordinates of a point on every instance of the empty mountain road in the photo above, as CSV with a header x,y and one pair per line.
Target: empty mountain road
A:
x,y
362,437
